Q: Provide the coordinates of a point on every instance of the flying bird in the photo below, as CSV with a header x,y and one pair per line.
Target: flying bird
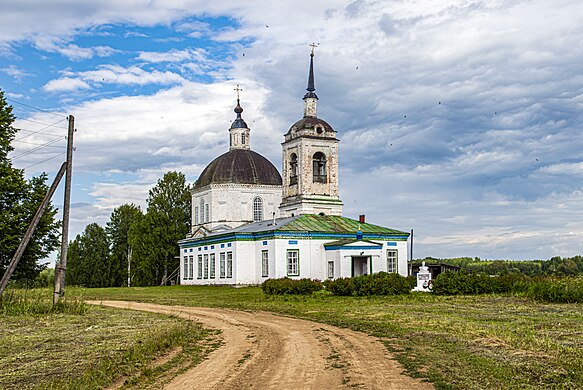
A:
x,y
357,67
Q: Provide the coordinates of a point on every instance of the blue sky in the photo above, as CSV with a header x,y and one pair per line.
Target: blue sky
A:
x,y
459,119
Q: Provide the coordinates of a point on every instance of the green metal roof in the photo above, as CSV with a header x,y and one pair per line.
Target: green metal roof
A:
x,y
333,224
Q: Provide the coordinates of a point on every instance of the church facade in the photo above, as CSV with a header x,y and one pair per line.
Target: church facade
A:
x,y
250,224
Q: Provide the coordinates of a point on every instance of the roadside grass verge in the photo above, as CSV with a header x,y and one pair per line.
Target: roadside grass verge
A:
x,y
81,346
457,342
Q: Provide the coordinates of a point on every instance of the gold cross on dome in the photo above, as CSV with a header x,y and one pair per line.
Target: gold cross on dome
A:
x,y
238,90
314,45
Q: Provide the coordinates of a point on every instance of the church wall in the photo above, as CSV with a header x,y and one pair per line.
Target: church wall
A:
x,y
313,259
232,205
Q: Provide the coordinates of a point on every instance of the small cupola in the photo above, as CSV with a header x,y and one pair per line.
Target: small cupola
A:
x,y
239,132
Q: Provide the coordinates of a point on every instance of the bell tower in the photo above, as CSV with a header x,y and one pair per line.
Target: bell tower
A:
x,y
310,161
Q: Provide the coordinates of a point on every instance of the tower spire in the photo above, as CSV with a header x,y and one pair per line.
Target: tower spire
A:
x,y
239,131
310,98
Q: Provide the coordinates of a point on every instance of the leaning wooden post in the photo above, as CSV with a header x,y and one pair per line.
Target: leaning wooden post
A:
x,y
61,266
30,231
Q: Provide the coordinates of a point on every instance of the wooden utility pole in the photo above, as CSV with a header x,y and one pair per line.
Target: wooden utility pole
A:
x,y
129,266
61,266
30,231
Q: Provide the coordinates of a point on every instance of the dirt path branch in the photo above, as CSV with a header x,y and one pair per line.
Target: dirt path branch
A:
x,y
265,351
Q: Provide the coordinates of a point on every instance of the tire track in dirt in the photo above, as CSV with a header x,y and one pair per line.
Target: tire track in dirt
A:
x,y
265,351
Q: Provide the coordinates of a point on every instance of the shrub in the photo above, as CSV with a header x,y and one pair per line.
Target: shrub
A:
x,y
342,287
381,283
291,286
567,290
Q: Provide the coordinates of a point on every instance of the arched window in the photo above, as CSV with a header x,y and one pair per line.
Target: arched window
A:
x,y
201,209
319,168
243,138
293,169
257,209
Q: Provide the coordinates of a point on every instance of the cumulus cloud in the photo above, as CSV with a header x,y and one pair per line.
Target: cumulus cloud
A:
x,y
15,72
173,56
112,74
65,84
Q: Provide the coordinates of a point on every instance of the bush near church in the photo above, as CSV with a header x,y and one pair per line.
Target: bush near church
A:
x,y
466,283
539,288
381,283
289,286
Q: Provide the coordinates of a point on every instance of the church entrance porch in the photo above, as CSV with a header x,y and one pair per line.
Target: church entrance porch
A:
x,y
360,265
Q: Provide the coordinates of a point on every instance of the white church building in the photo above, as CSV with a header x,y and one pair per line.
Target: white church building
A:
x,y
250,224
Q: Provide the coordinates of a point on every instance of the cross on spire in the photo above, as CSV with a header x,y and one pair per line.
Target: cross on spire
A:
x,y
313,45
238,90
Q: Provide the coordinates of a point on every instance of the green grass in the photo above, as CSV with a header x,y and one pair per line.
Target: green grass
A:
x,y
79,346
458,342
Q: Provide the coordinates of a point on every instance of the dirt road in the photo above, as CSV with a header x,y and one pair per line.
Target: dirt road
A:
x,y
265,351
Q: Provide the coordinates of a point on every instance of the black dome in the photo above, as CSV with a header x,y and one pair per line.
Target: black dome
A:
x,y
239,166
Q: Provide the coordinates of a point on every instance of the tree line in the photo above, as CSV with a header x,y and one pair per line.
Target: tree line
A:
x,y
555,266
134,248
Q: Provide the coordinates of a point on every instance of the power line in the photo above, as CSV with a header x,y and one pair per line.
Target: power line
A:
x,y
36,132
40,162
35,149
33,107
40,130
48,146
44,124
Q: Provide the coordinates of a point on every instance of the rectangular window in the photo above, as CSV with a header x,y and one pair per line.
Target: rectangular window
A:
x,y
293,262
212,266
185,269
191,267
207,214
206,267
392,261
264,264
196,215
199,268
222,265
330,270
229,264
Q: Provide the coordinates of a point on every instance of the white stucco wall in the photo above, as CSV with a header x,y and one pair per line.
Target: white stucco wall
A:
x,y
232,204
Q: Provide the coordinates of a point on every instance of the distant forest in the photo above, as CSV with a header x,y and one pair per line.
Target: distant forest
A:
x,y
556,266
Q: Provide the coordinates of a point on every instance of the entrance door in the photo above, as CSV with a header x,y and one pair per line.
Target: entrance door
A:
x,y
360,265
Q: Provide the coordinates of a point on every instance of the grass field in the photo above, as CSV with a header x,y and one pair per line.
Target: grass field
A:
x,y
457,342
88,347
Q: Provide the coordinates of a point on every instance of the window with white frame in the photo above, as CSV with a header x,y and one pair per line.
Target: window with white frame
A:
x,y
185,272
330,270
201,210
264,264
257,209
199,267
243,138
212,266
222,265
191,267
206,267
207,213
392,261
293,262
196,215
229,264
